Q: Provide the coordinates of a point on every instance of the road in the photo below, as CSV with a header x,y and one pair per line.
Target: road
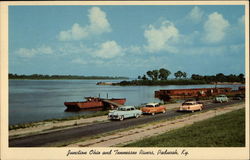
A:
x,y
67,135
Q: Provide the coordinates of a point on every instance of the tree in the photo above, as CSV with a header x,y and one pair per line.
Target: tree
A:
x,y
241,77
139,77
155,74
197,77
150,74
220,77
184,74
164,73
144,77
178,74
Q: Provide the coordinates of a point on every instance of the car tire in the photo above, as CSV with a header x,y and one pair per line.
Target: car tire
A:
x,y
153,113
121,118
137,116
164,111
192,111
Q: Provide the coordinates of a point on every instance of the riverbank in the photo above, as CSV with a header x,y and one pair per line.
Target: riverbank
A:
x,y
59,124
122,138
227,130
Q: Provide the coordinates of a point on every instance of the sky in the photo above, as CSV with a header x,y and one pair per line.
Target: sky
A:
x,y
126,40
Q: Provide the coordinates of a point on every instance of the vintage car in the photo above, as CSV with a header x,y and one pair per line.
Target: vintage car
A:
x,y
152,108
124,112
238,97
191,106
221,98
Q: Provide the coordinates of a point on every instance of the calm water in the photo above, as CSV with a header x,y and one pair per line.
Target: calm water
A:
x,y
35,100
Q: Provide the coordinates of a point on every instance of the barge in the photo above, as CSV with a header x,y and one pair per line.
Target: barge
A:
x,y
95,103
166,95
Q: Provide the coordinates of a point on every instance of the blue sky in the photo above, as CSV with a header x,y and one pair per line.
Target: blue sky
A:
x,y
126,40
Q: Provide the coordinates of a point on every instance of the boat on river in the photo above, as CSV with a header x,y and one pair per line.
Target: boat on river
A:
x,y
168,94
95,103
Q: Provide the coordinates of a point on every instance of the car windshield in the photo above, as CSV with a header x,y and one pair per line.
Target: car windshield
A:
x,y
221,96
121,109
187,103
149,106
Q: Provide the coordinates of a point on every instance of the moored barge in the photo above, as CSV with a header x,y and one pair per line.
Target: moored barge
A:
x,y
195,93
95,103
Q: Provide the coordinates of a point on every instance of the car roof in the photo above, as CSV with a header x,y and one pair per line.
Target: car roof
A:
x,y
127,107
153,104
191,102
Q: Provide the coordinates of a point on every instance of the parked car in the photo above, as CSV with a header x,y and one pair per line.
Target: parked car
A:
x,y
124,112
191,106
239,97
221,98
152,108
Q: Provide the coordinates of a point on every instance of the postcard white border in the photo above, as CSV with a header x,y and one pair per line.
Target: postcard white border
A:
x,y
60,153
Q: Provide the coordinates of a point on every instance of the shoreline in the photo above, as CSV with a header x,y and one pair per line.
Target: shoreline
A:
x,y
127,136
179,82
52,125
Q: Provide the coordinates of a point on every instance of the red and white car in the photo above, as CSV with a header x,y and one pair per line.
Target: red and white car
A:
x,y
191,106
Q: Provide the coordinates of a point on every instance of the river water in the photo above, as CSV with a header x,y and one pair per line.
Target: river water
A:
x,y
36,100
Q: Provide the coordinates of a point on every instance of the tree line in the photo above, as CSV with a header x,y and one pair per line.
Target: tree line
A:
x,y
161,77
220,77
47,77
163,74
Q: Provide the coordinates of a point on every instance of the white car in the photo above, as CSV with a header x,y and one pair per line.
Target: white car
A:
x,y
124,112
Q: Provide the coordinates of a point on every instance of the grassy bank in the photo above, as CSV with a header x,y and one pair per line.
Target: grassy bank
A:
x,y
32,124
226,130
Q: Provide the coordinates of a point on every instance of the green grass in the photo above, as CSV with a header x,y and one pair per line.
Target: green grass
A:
x,y
33,124
226,130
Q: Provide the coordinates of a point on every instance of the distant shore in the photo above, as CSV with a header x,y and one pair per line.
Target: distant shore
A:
x,y
60,77
170,82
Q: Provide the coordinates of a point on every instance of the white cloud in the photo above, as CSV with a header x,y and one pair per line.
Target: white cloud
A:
x,y
75,33
161,39
215,28
109,49
195,14
45,50
98,21
98,24
24,52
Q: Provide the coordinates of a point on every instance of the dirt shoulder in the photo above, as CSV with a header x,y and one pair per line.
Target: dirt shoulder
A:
x,y
123,137
44,127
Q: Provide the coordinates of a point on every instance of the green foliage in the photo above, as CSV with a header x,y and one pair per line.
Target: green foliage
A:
x,y
155,74
160,82
150,74
226,130
32,124
220,77
178,74
164,73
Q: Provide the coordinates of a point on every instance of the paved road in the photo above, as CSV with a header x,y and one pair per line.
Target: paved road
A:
x,y
46,139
